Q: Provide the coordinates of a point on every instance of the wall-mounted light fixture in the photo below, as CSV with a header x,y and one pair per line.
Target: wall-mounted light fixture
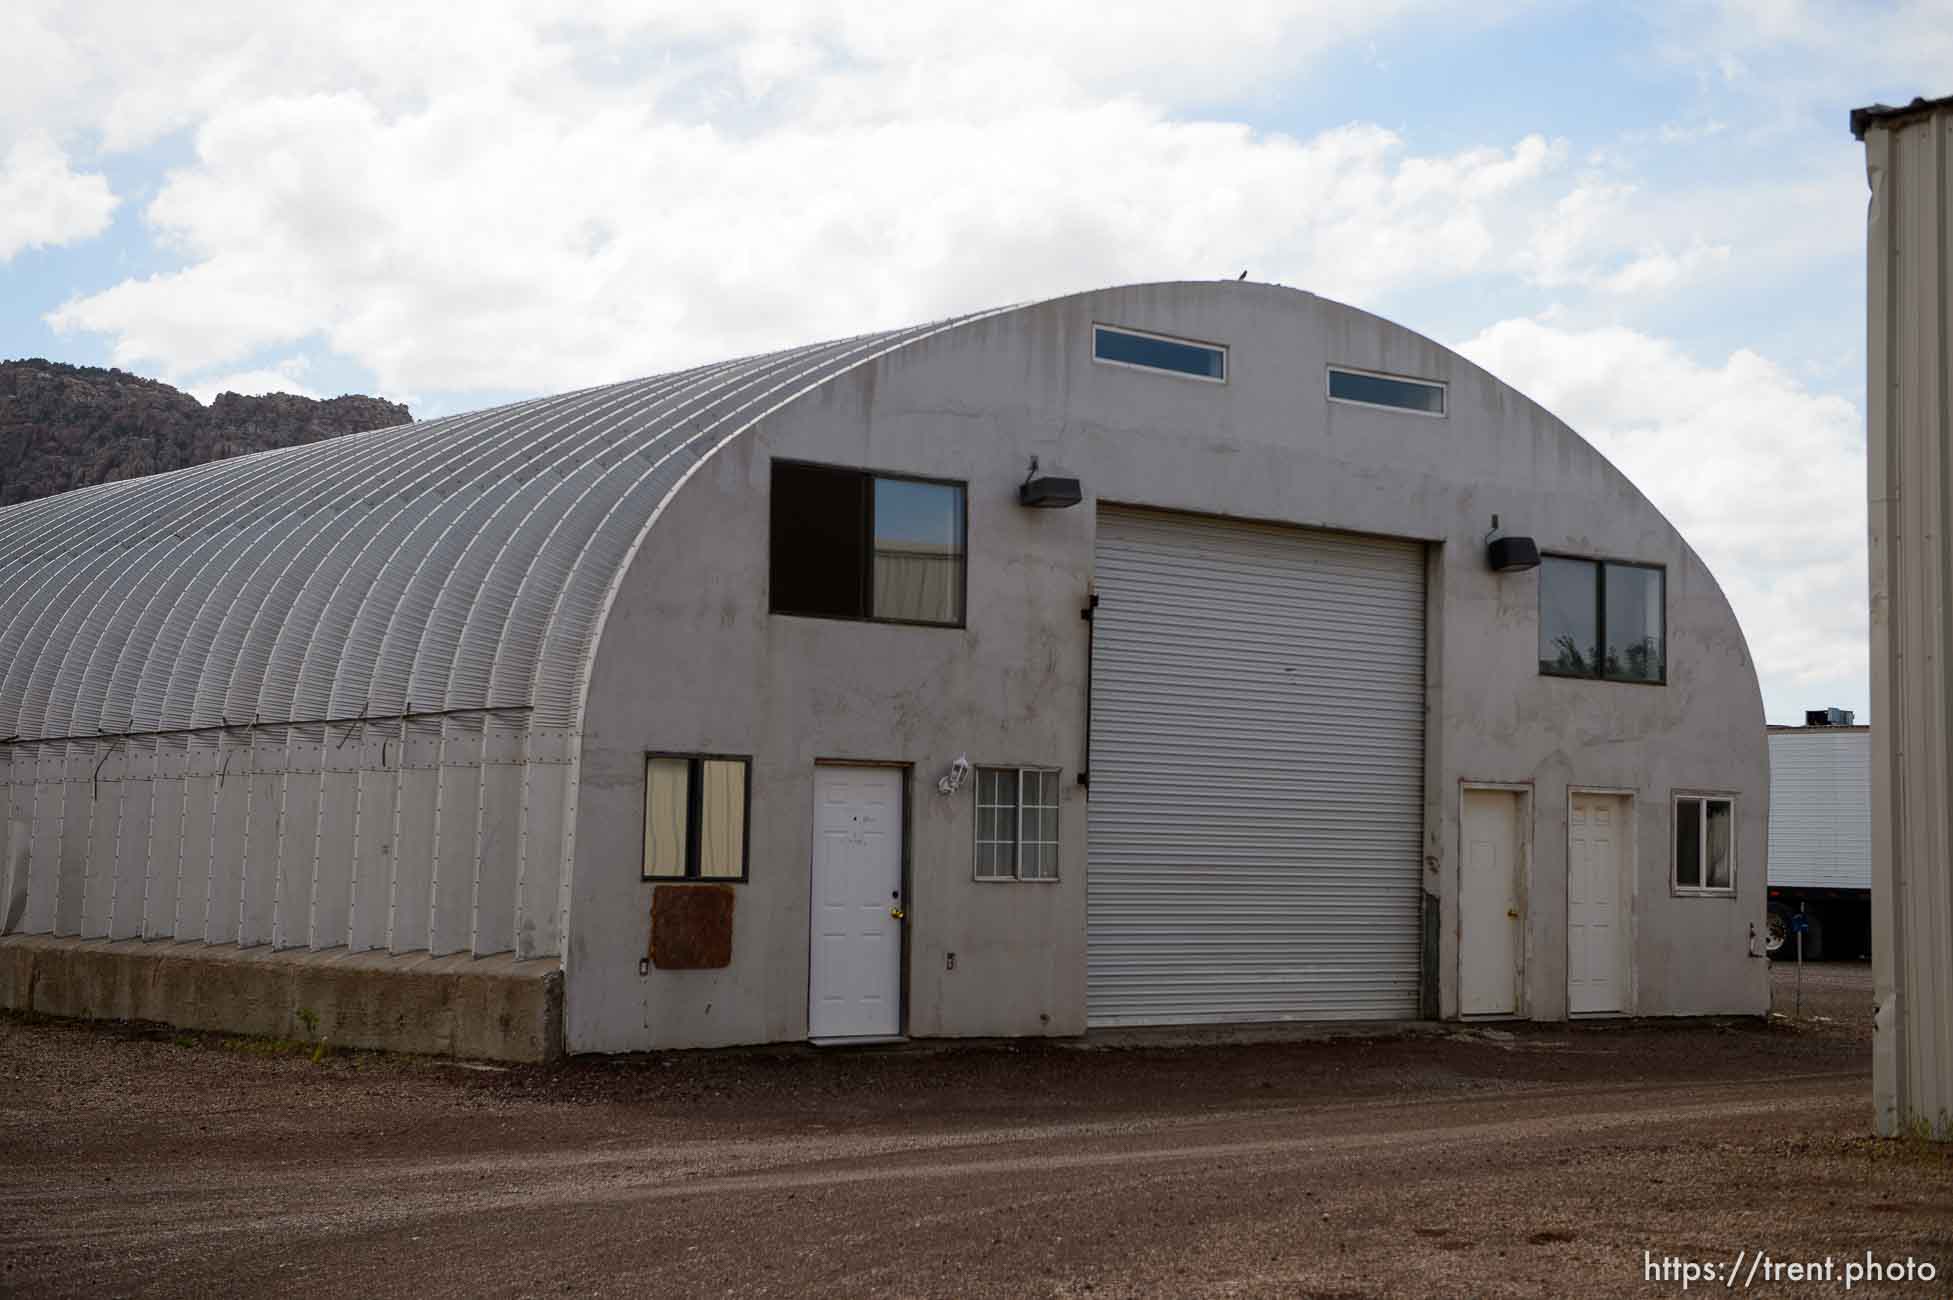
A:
x,y
1510,554
1044,492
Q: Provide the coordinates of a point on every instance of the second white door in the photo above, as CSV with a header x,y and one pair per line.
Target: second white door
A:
x,y
1596,904
1491,924
855,968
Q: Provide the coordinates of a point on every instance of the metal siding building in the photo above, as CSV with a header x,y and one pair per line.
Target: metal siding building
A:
x,y
1820,807
1909,414
393,704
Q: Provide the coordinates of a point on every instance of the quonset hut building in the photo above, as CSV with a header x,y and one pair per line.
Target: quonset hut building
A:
x,y
1176,653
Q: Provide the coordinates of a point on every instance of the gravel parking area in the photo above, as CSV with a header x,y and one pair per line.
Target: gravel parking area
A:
x,y
1467,1161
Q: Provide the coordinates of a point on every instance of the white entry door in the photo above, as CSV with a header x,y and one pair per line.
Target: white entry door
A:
x,y
1596,904
855,986
1491,921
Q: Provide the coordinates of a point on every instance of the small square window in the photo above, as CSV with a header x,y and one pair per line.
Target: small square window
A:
x,y
1705,844
695,817
1017,823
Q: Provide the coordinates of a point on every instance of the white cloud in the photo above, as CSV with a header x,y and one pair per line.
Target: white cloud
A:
x,y
44,203
492,241
280,377
1763,476
140,72
1657,270
553,193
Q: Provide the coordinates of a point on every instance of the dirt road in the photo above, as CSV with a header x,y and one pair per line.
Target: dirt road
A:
x,y
1523,1162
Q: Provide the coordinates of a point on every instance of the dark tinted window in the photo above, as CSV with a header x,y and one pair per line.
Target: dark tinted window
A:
x,y
1688,843
1569,629
1602,619
849,544
820,541
1376,390
1633,618
1159,354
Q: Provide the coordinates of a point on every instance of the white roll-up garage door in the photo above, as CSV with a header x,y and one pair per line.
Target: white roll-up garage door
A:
x,y
1257,768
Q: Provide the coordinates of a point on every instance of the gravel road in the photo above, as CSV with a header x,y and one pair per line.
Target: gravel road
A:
x,y
1482,1161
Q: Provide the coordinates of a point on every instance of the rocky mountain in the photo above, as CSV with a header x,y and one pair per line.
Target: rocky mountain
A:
x,y
65,426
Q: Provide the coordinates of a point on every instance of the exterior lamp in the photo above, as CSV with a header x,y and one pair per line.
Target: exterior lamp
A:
x,y
1510,554
1045,492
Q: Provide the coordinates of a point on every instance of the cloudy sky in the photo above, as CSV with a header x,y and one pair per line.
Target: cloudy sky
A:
x,y
1649,216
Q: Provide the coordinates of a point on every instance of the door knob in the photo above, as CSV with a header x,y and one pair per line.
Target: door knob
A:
x,y
897,912
1514,915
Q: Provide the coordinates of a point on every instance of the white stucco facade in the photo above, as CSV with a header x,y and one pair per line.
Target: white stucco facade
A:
x,y
392,696
691,659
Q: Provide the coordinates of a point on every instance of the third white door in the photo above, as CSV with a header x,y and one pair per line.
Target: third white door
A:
x,y
1596,903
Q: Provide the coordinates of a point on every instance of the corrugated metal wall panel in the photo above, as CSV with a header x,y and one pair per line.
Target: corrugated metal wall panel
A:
x,y
133,805
163,867
193,853
373,856
16,837
1821,808
450,565
1909,419
1256,809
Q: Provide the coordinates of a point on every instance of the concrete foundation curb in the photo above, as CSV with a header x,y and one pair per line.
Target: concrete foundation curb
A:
x,y
493,1008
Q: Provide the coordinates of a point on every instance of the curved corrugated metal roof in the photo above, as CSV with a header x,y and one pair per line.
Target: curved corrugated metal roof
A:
x,y
460,563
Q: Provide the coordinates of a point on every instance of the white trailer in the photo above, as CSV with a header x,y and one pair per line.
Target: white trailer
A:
x,y
1821,837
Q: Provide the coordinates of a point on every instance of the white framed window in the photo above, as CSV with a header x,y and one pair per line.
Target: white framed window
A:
x,y
1017,823
1390,392
1138,350
1705,844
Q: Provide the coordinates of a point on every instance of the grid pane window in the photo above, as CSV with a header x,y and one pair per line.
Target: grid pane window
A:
x,y
1017,823
1705,845
695,817
1040,826
996,823
1602,619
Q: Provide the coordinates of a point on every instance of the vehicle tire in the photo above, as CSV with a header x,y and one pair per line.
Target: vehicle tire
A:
x,y
1777,941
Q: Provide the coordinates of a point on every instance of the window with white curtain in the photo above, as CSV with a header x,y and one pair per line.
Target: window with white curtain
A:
x,y
846,543
1705,844
695,817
